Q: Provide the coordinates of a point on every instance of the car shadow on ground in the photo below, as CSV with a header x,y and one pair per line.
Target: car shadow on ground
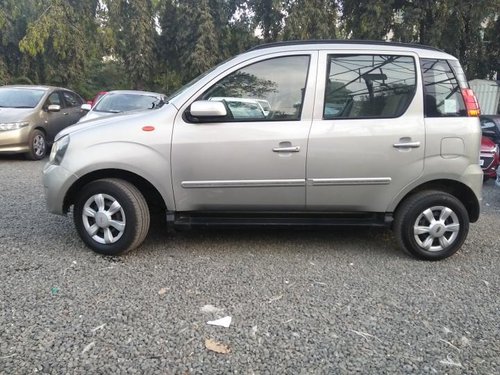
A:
x,y
354,240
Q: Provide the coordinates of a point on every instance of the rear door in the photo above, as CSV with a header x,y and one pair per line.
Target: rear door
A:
x,y
367,138
73,107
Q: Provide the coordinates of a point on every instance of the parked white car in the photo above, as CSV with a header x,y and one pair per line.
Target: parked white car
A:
x,y
119,101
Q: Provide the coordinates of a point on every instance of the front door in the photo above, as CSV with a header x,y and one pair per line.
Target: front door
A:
x,y
367,139
254,159
55,121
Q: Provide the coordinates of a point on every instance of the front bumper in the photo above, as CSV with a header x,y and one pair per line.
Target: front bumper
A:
x,y
56,181
14,141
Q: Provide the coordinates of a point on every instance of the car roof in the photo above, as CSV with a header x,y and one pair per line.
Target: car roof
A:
x,y
344,41
373,46
36,87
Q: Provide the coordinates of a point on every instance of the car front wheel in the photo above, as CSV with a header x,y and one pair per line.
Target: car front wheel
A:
x,y
431,225
37,145
111,216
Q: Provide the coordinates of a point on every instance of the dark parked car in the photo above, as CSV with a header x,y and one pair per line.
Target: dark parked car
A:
x,y
31,116
490,126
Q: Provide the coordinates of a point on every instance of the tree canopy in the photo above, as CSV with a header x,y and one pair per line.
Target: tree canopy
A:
x,y
93,45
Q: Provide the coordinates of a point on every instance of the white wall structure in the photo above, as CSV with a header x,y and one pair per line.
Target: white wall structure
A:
x,y
488,95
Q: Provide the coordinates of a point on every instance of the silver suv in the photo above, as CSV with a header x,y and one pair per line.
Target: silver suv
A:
x,y
368,133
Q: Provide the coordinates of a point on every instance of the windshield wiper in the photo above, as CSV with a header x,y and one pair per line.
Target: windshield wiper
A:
x,y
110,111
23,106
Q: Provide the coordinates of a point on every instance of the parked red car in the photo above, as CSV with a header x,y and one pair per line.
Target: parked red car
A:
x,y
490,158
98,96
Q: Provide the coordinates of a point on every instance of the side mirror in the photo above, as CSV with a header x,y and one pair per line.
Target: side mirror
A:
x,y
86,107
54,108
207,108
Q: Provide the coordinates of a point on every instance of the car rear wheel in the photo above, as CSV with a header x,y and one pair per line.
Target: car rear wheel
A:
x,y
431,225
37,145
111,216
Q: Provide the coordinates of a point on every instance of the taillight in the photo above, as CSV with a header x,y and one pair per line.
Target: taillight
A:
x,y
471,103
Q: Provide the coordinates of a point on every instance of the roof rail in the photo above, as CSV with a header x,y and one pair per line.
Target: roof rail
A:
x,y
342,41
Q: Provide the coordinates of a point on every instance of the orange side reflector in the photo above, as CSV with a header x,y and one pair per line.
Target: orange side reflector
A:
x,y
148,128
471,103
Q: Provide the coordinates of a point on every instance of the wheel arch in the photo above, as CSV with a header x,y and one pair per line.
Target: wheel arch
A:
x,y
153,197
459,190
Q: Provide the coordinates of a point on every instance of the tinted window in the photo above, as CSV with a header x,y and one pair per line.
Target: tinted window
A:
x,y
442,96
270,90
368,86
71,99
20,98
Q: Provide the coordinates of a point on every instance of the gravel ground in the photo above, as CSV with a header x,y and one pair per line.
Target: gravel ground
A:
x,y
322,302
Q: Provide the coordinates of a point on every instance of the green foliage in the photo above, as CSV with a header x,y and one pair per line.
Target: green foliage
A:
x,y
133,24
311,19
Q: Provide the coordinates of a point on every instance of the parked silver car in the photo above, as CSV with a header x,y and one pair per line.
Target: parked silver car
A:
x,y
400,149
119,101
31,116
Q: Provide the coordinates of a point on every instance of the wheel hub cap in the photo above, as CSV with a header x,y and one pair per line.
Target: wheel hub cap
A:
x,y
436,228
103,218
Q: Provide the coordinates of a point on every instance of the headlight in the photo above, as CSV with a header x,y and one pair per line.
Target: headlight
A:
x,y
4,126
58,150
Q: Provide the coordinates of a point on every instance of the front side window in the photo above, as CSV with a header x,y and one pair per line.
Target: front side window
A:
x,y
442,95
270,90
53,98
368,86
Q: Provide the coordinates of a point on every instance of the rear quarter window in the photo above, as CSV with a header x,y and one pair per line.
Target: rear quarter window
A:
x,y
442,89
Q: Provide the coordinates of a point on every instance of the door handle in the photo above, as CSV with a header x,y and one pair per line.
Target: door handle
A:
x,y
66,113
287,149
407,145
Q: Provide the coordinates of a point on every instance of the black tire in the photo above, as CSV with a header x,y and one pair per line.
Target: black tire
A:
x,y
444,236
37,145
133,216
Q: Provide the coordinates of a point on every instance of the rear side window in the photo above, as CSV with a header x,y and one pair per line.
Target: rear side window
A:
x,y
442,94
368,86
71,99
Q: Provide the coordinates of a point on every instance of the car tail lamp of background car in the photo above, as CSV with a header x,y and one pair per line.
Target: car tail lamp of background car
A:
x,y
471,103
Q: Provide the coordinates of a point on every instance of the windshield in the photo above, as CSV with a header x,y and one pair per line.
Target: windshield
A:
x,y
115,103
190,83
20,98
